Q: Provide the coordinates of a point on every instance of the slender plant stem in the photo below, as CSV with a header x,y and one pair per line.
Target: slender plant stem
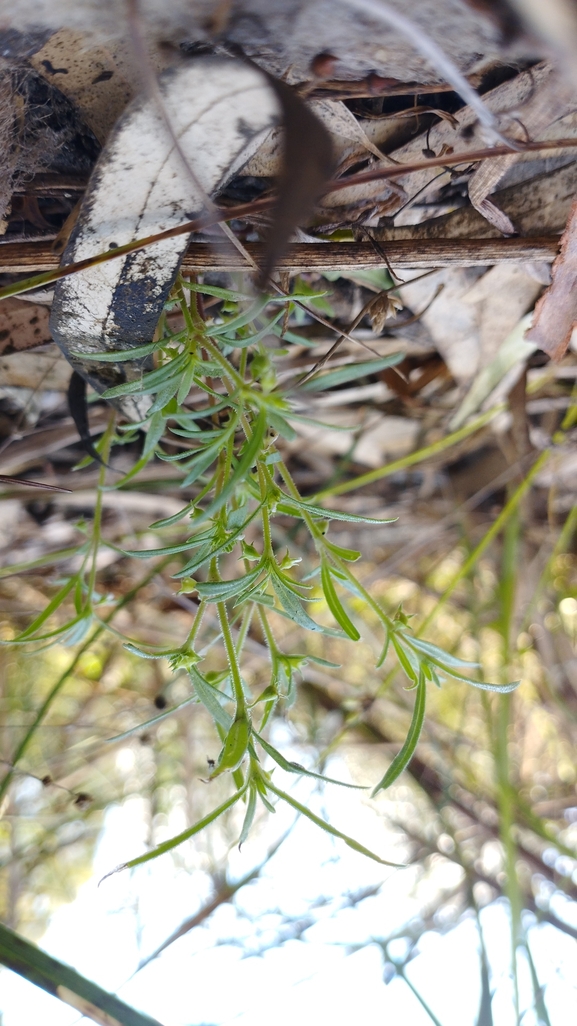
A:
x,y
232,659
491,534
57,687
413,458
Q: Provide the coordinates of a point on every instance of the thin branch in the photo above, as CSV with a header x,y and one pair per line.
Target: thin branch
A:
x,y
25,257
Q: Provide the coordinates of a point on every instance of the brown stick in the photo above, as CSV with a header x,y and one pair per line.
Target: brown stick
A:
x,y
27,257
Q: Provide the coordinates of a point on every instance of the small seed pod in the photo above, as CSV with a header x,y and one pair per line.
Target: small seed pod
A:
x,y
323,65
234,748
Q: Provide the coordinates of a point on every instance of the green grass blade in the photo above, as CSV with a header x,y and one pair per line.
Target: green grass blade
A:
x,y
65,983
47,560
52,606
413,458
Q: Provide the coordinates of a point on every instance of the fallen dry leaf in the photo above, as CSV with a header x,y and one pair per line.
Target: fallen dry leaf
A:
x,y
23,326
307,164
556,311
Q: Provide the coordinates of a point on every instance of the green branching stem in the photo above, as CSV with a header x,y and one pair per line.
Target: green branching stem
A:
x,y
232,659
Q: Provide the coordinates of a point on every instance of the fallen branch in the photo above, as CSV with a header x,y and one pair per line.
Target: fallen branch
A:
x,y
25,257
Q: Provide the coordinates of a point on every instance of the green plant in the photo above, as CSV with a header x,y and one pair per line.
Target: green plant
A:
x,y
226,450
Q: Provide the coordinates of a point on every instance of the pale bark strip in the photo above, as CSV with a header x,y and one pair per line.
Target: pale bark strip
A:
x,y
139,187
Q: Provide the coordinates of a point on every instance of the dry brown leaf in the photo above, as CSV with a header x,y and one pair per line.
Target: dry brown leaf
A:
x,y
42,369
548,103
99,81
307,164
512,95
23,326
556,311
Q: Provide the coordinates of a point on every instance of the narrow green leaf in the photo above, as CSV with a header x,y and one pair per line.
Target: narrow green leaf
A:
x,y
350,372
247,317
293,338
173,842
248,457
294,610
335,605
200,463
249,815
213,290
349,555
211,698
281,426
188,417
152,653
385,649
215,550
189,543
186,380
502,689
295,767
164,396
287,504
154,433
119,355
407,658
221,591
169,521
330,829
151,382
403,758
251,340
46,613
234,747
438,654
46,560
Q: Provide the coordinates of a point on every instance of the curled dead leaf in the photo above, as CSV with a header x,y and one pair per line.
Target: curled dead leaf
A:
x,y
384,306
556,311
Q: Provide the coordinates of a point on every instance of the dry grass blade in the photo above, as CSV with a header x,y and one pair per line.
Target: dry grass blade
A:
x,y
32,484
